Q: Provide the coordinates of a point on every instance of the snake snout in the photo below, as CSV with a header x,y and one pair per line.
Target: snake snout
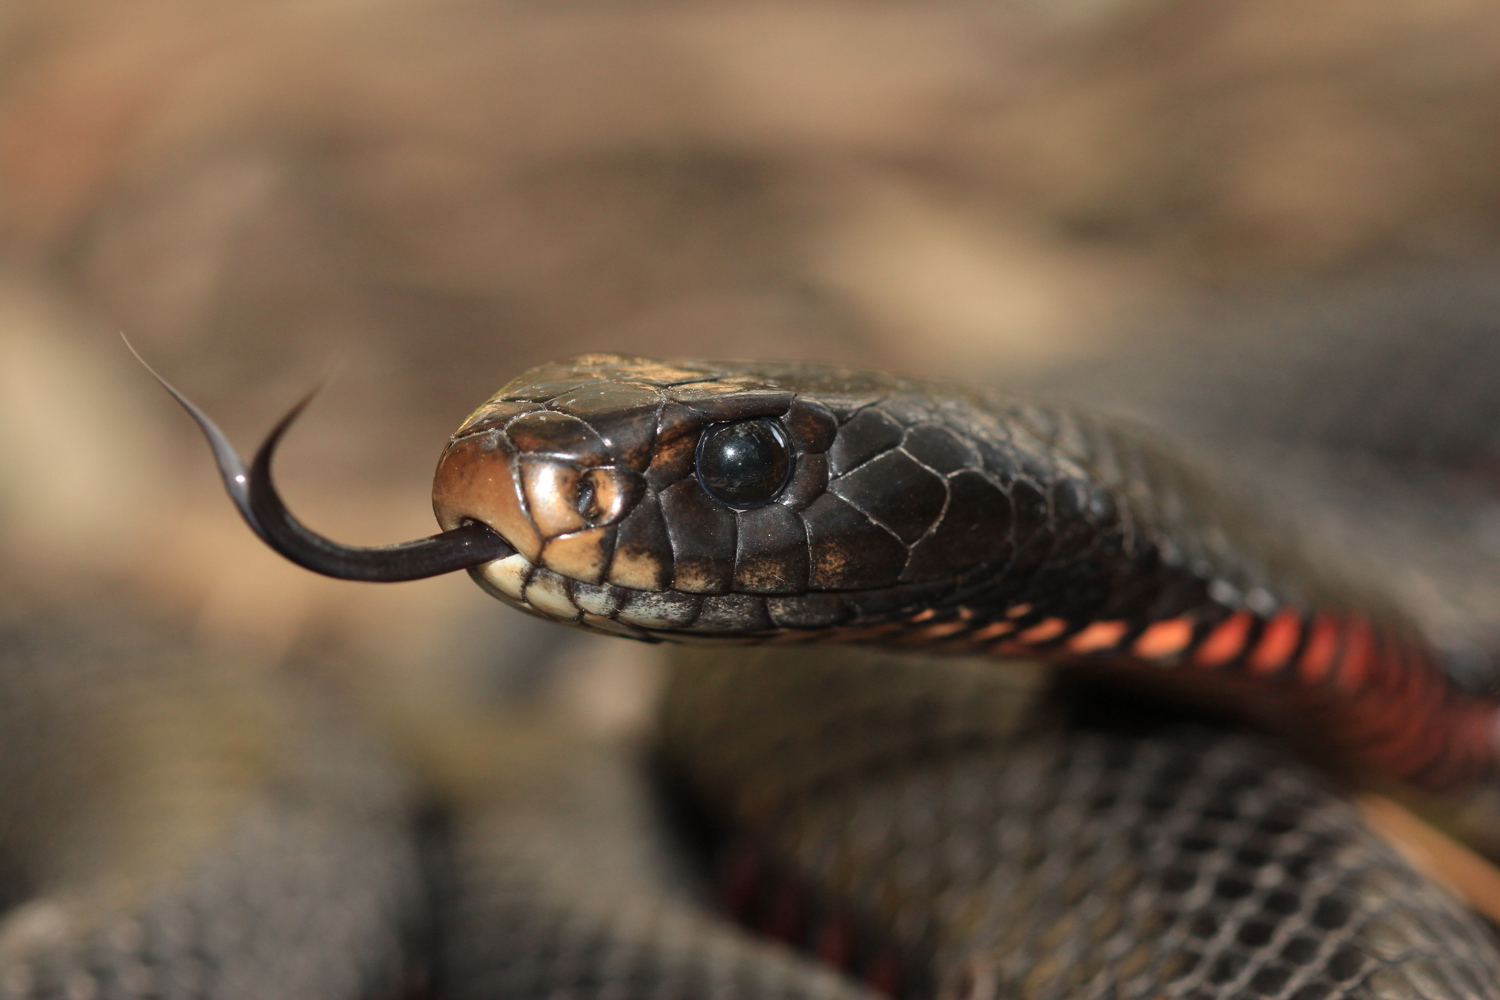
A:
x,y
559,512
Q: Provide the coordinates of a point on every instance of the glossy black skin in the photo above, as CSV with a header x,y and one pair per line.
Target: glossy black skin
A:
x,y
912,503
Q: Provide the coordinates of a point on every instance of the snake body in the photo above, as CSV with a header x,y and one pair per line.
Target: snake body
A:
x,y
923,516
931,827
1169,860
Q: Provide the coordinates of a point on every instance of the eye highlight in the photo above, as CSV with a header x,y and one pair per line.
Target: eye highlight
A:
x,y
744,464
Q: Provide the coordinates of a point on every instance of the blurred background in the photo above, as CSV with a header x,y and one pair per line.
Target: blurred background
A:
x,y
427,197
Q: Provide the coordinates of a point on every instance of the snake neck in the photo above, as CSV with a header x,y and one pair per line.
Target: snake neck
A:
x,y
1123,559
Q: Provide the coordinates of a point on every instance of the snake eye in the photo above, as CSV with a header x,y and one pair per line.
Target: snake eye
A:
x,y
746,463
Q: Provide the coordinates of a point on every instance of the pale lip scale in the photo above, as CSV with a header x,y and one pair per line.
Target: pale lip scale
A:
x,y
520,582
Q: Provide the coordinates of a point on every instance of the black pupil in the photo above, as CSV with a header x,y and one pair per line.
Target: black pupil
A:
x,y
744,464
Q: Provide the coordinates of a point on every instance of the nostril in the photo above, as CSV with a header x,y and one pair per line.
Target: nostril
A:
x,y
607,493
588,500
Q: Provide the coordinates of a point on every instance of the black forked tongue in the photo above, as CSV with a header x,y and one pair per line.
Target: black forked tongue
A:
x,y
254,493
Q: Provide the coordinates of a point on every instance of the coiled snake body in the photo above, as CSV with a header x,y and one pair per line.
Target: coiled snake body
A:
x,y
929,826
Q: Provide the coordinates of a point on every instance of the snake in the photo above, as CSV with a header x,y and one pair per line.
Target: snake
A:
x,y
844,560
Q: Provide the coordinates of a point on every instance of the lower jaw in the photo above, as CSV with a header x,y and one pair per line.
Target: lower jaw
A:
x,y
646,614
537,590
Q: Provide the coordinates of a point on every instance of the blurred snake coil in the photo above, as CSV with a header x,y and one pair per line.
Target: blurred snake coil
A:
x,y
847,794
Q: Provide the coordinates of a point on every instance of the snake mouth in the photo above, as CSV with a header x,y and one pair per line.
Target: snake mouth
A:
x,y
561,518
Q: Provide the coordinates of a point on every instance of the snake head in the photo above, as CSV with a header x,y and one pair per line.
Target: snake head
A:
x,y
640,495
707,500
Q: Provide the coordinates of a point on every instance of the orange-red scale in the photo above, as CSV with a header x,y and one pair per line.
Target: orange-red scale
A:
x,y
1279,642
1322,646
1226,643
